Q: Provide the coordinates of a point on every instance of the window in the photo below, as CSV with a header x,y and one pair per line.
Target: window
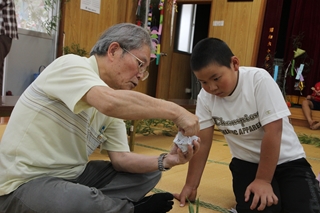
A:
x,y
192,25
186,27
36,14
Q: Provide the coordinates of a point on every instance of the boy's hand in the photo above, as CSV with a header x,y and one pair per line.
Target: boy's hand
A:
x,y
187,192
263,193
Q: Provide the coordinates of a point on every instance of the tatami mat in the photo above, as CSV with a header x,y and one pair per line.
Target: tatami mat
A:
x,y
215,191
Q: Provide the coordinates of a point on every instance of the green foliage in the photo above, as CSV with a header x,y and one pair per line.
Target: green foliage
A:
x,y
191,206
75,49
153,127
309,139
51,23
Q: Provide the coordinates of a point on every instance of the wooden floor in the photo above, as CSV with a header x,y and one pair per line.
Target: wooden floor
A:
x,y
215,191
297,117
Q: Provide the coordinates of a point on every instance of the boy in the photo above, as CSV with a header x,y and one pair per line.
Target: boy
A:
x,y
269,168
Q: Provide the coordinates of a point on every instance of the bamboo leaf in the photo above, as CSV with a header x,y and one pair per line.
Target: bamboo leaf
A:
x,y
197,205
191,209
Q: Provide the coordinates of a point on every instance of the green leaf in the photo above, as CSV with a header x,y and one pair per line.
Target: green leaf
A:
x,y
191,209
154,127
197,205
191,206
309,139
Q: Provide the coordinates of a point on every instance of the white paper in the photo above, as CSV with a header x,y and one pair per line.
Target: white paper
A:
x,y
91,5
183,141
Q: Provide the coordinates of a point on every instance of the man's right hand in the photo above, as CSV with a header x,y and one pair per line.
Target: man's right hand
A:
x,y
188,123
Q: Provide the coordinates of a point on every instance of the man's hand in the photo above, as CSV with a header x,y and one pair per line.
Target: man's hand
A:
x,y
263,193
188,123
177,157
187,192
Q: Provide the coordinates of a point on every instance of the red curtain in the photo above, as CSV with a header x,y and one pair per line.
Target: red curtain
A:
x,y
271,27
304,23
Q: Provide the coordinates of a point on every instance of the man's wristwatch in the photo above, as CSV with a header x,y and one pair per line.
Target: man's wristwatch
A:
x,y
160,162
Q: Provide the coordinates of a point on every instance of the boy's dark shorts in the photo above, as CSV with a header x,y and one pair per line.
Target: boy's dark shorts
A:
x,y
316,105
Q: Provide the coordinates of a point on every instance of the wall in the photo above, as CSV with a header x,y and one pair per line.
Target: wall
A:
x,y
27,54
242,30
84,27
242,27
180,77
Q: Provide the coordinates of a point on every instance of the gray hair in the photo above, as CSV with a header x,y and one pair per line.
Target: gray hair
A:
x,y
129,36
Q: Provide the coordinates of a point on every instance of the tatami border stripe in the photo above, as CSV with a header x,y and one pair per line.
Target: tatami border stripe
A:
x,y
210,161
311,158
165,150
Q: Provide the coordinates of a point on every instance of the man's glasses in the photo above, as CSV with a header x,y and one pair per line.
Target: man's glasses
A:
x,y
142,70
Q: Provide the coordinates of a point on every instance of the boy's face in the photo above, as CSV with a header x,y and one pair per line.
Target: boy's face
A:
x,y
219,80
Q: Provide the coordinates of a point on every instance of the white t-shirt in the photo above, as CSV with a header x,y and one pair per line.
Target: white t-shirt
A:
x,y
51,131
256,101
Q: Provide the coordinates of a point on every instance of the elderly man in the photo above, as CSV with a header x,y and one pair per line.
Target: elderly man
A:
x,y
75,105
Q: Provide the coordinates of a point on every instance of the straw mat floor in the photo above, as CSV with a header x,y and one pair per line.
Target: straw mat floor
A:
x,y
215,191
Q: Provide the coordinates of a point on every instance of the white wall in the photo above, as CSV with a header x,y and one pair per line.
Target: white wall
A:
x,y
27,54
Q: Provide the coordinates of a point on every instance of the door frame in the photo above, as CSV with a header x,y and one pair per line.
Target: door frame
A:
x,y
167,46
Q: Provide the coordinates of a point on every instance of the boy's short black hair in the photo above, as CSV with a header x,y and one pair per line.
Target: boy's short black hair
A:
x,y
209,51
